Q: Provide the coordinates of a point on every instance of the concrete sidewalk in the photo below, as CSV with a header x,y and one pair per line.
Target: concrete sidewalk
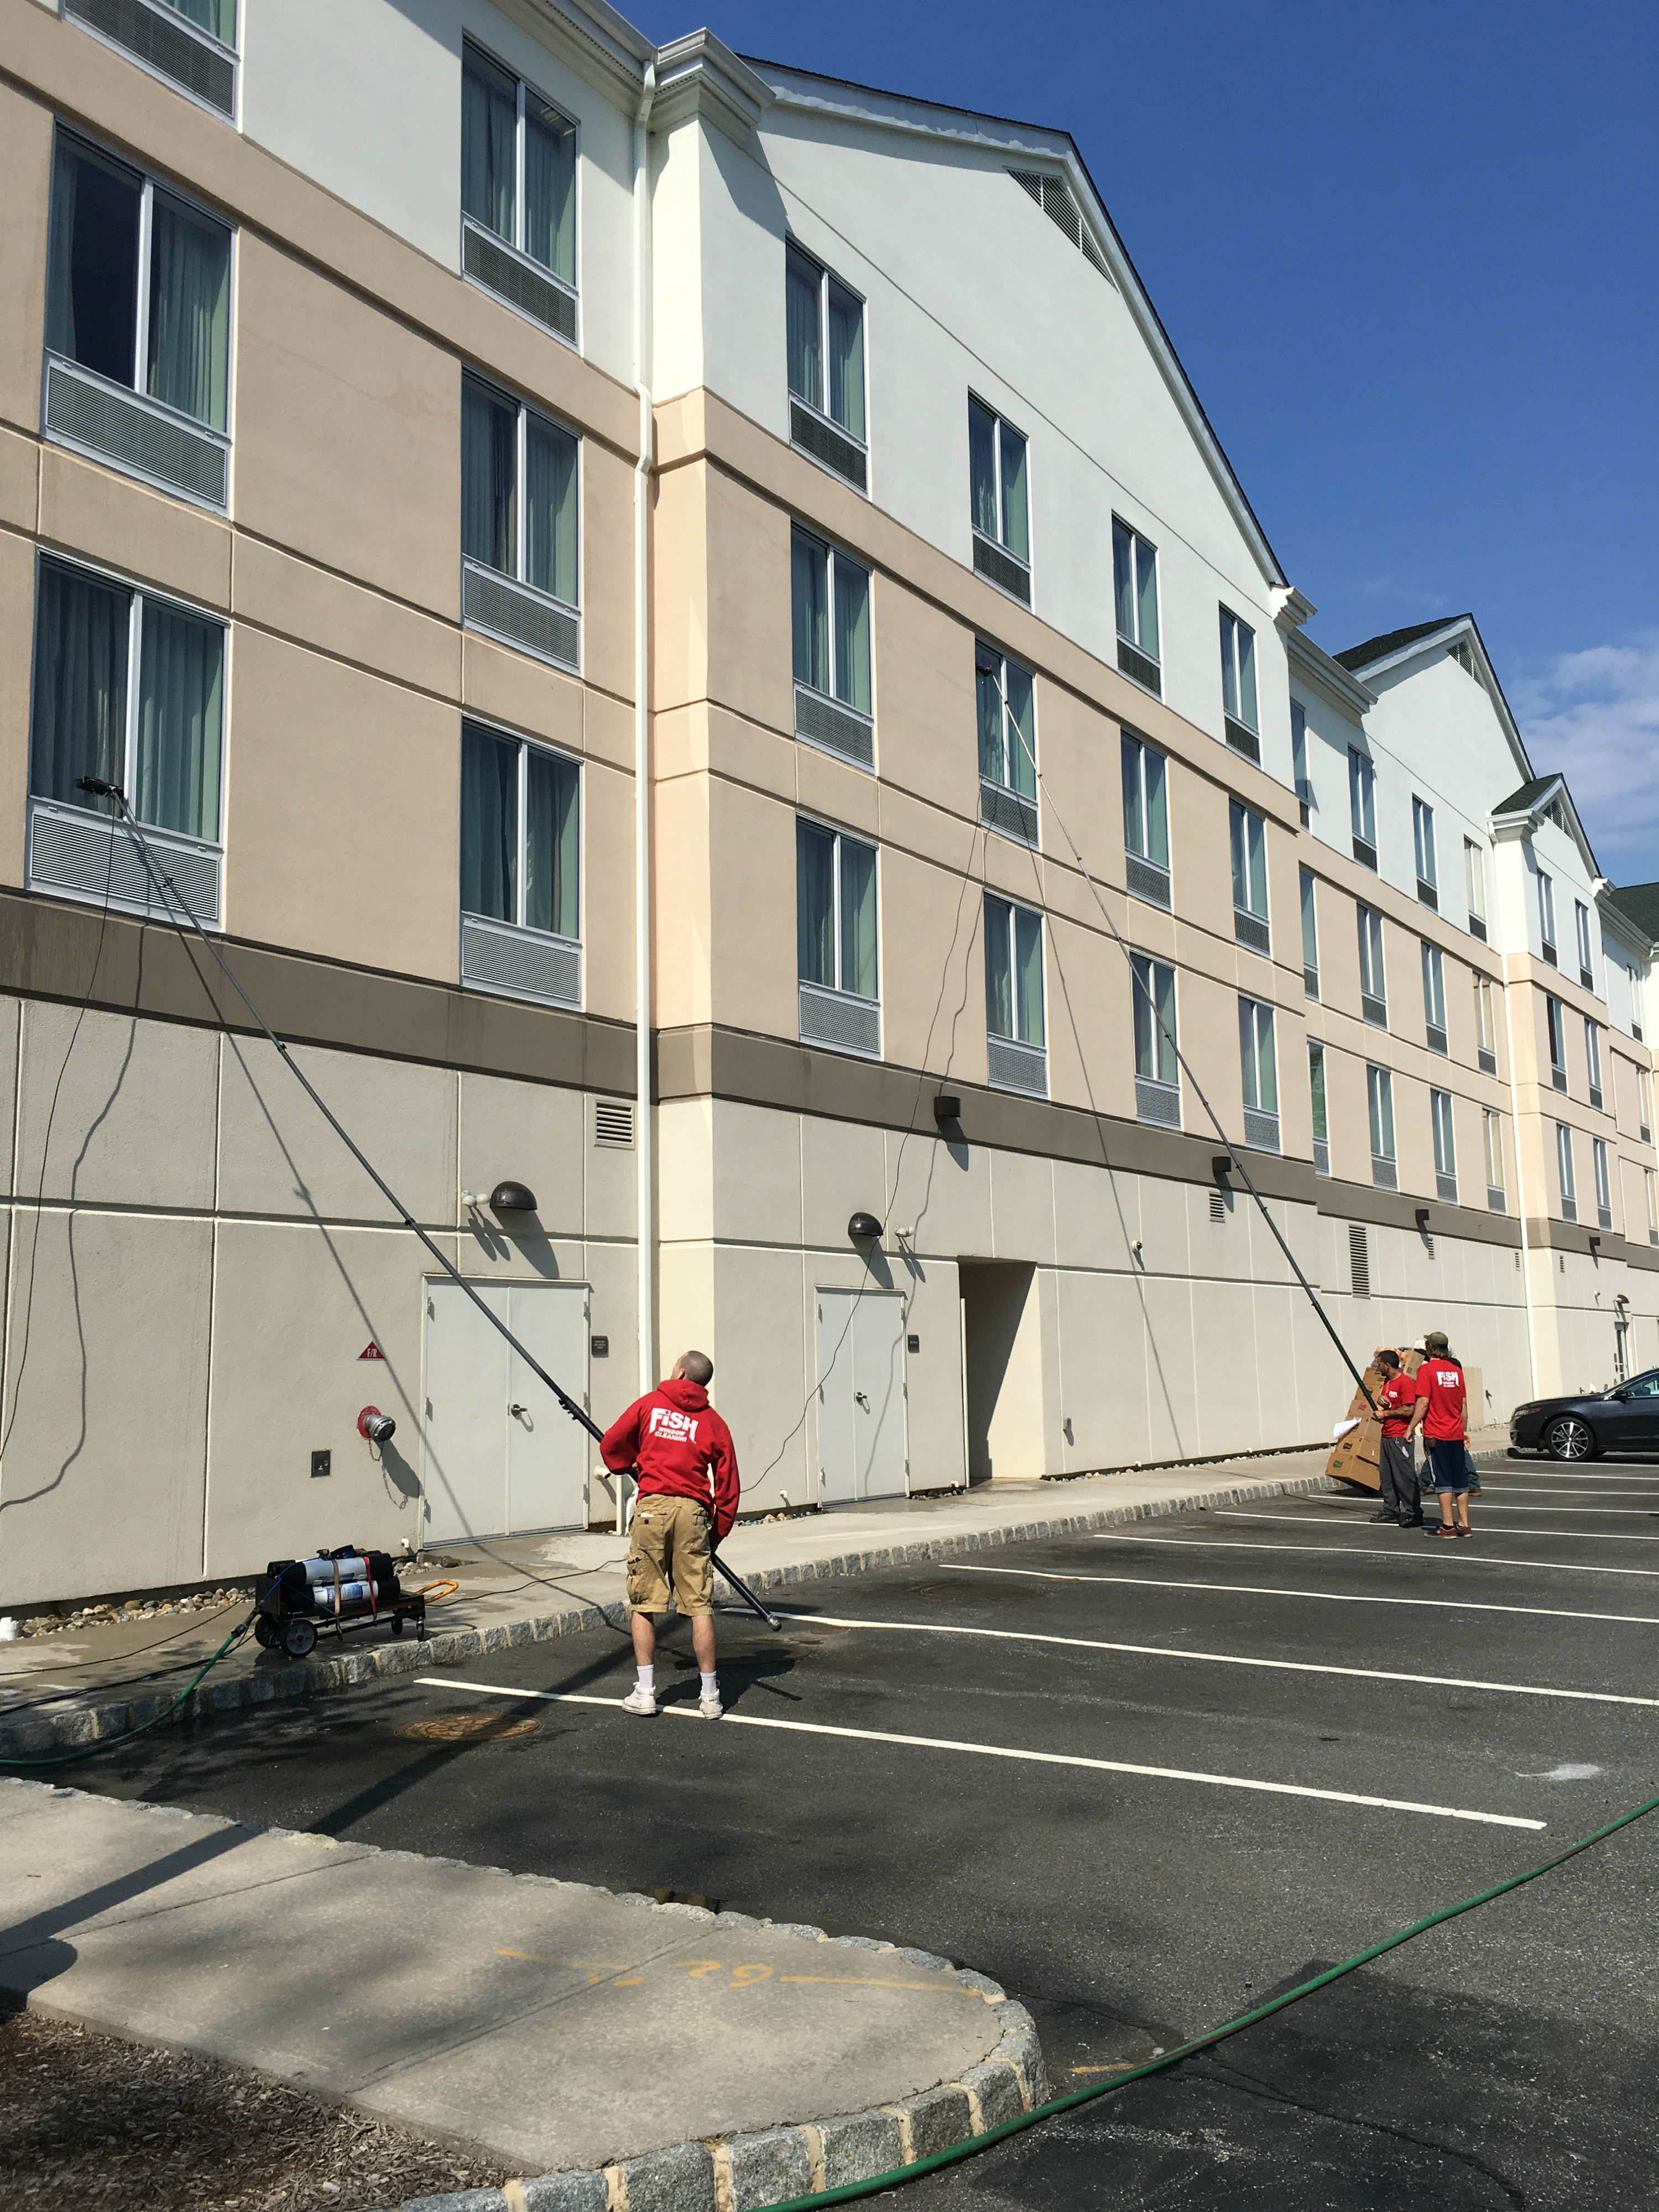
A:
x,y
659,2058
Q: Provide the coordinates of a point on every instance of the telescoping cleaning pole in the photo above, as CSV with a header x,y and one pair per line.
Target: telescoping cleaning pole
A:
x,y
169,890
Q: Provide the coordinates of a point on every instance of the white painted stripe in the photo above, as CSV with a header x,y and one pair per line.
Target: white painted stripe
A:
x,y
998,1750
1371,1551
1322,1597
1221,1658
1575,1536
1617,1512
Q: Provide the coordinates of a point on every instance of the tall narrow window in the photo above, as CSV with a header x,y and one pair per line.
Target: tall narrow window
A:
x,y
824,334
519,510
1305,790
1321,1146
1486,1027
1434,997
1445,1155
1593,1061
1007,744
1474,887
829,598
835,939
1248,839
1564,1171
1373,989
1258,1074
1547,914
1582,929
1428,873
1603,1185
1146,820
1492,1133
1362,806
1379,1100
1309,936
1013,996
1239,700
1555,1026
1651,1185
520,867
137,302
1644,1104
1134,579
999,501
518,192
1634,981
1157,1094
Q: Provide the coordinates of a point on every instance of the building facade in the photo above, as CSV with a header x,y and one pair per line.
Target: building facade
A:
x,y
669,690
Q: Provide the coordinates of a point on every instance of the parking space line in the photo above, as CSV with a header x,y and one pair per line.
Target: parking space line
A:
x,y
1619,1512
1001,1750
1372,1551
1221,1658
1578,1536
1321,1597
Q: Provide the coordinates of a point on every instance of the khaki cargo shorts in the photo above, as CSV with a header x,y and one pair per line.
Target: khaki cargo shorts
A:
x,y
670,1550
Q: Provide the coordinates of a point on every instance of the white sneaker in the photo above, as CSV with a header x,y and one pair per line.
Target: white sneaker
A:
x,y
711,1708
640,1700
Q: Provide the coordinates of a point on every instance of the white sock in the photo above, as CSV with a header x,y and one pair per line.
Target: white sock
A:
x,y
647,1676
711,1684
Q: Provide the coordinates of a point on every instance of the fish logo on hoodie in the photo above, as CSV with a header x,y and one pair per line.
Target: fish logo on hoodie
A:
x,y
672,1426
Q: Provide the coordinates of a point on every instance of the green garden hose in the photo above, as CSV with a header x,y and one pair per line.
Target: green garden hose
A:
x,y
851,2190
109,1742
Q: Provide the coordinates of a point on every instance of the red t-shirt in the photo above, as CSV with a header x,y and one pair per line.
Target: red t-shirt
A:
x,y
1440,1380
1399,1396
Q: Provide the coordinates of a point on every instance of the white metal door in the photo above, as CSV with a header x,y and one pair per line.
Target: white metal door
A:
x,y
500,1455
862,1449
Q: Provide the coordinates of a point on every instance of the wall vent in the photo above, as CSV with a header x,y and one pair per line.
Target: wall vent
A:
x,y
200,65
1217,1206
512,277
1055,200
1359,1261
613,1122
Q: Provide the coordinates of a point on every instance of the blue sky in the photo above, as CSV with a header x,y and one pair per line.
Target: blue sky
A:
x,y
1407,253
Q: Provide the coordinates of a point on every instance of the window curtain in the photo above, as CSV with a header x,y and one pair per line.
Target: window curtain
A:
x,y
987,682
1230,671
488,475
180,717
858,918
1246,712
1134,812
1154,1008
551,843
1157,808
92,292
550,509
189,311
1016,524
490,127
1123,581
1266,1061
846,359
1028,972
1147,596
852,604
998,969
815,904
982,468
218,16
1021,732
1309,924
1316,1091
490,825
80,685
802,282
809,594
1250,1073
550,190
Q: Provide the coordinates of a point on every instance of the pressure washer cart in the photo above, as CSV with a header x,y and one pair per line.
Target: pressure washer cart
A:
x,y
347,1588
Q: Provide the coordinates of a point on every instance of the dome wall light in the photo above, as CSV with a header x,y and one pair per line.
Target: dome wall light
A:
x,y
513,1198
863,1227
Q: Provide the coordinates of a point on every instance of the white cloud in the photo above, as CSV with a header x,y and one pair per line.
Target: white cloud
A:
x,y
1594,718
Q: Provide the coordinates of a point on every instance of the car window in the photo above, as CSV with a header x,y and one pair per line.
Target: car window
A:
x,y
1645,1386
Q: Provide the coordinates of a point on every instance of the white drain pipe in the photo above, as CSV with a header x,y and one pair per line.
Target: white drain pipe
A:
x,y
645,1214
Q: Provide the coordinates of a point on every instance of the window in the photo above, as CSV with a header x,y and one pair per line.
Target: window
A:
x,y
1310,937
1373,991
1633,977
1603,1188
824,327
518,495
1428,874
520,863
1582,929
1474,887
1486,1027
1652,1191
1546,914
1304,791
1492,1138
1555,1024
1238,685
1134,579
1258,1073
1593,1061
138,325
1445,1157
1000,509
1013,996
1434,997
129,689
1157,1096
835,939
1644,1106
1362,806
1146,821
518,192
1248,836
191,43
1321,1148
830,598
1379,1099
1007,744
1563,1168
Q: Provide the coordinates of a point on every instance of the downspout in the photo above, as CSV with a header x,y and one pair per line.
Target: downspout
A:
x,y
1521,1185
645,1216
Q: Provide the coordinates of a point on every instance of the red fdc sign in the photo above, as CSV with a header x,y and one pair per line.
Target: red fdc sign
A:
x,y
371,1351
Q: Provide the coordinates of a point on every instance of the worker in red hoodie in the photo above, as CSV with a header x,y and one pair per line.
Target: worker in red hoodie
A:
x,y
681,1451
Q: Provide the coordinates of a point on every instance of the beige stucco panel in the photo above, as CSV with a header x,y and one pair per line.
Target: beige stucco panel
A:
x,y
19,480
758,1384
279,591
923,657
942,1191
607,898
1172,1419
685,1167
932,968
25,194
16,621
529,1132
841,1172
610,1188
756,1158
108,519
1097,1215
1090,1035
342,814
679,589
680,909
132,1108
11,1020
521,693
607,577
1023,1207
1229,1416
751,895
1102,1327
834,791
750,661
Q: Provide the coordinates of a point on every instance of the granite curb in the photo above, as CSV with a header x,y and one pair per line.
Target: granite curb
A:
x,y
83,1725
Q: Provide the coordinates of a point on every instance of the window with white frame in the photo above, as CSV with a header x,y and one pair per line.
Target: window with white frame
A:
x,y
190,43
1321,1146
825,329
1134,584
830,609
1000,500
1644,1103
1475,886
1373,986
129,691
1309,936
1152,987
1485,1026
1582,929
835,939
1633,977
1005,701
1258,1074
1445,1156
519,524
1564,1171
1555,1026
1651,1187
1305,790
1492,1139
1593,1061
1362,806
138,319
1145,820
518,193
1428,872
1248,835
521,866
1013,995
1546,913
1379,1100
1603,1186
1238,699
1434,997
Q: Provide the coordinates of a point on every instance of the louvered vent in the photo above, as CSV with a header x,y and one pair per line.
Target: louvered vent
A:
x,y
120,426
201,66
523,616
523,961
490,263
1006,811
1359,1261
838,729
1217,1206
1055,200
613,1123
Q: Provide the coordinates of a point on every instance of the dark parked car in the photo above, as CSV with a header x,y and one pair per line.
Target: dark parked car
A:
x,y
1623,1418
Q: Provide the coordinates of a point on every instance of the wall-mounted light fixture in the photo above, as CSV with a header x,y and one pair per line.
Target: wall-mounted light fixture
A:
x,y
863,1228
1221,1167
513,1198
947,1107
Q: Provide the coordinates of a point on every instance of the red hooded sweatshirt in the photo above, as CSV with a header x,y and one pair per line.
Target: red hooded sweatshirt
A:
x,y
678,1441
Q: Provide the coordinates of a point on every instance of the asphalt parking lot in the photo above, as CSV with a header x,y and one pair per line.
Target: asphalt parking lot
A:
x,y
1145,1778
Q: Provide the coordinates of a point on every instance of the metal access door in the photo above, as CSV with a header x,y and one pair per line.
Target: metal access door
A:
x,y
501,1454
863,1447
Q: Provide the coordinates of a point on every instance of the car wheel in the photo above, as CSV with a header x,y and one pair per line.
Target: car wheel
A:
x,y
1569,1438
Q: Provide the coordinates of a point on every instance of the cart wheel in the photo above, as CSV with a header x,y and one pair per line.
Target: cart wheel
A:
x,y
396,1624
264,1632
300,1638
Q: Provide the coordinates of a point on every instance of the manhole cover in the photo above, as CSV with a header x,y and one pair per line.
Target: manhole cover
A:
x,y
469,1728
